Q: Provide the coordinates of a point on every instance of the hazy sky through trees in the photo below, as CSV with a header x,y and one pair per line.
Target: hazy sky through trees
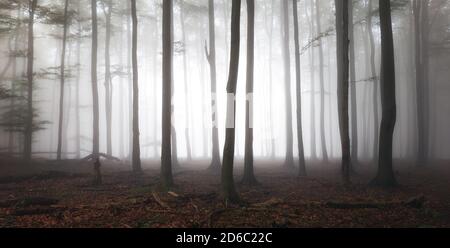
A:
x,y
269,89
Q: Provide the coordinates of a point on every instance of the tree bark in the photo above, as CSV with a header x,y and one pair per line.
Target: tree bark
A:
x,y
353,107
375,96
322,86
301,153
95,138
385,176
62,81
136,157
28,132
108,85
343,84
422,88
166,153
228,187
185,80
289,162
249,175
211,56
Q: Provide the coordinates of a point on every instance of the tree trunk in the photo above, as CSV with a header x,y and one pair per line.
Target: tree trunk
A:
x,y
62,81
108,85
343,84
136,157
77,90
421,59
211,56
228,187
95,138
185,80
322,86
289,163
28,132
376,121
313,88
354,109
385,176
249,175
166,153
301,154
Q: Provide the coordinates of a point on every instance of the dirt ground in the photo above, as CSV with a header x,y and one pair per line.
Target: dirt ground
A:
x,y
62,195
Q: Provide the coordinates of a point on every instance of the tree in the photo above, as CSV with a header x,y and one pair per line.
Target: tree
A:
x,y
107,9
28,131
422,87
95,108
185,80
385,176
322,86
301,153
354,114
343,83
136,157
249,175
376,121
166,153
289,163
211,57
228,187
62,79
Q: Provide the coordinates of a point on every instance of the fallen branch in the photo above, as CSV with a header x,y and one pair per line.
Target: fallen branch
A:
x,y
30,201
159,201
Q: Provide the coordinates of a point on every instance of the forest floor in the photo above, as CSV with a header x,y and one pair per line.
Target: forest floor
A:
x,y
62,195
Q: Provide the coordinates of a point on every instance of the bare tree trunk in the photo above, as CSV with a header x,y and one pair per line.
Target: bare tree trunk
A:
x,y
228,187
353,107
301,153
289,163
185,79
376,121
249,175
166,154
28,132
77,90
95,138
312,79
136,157
422,88
385,176
343,84
108,85
62,81
322,86
211,56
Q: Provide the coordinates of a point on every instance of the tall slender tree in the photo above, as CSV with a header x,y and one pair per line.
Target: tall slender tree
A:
x,y
28,131
95,107
376,122
166,152
211,57
289,163
322,84
107,9
385,176
228,187
249,175
301,153
353,108
62,79
421,22
136,157
185,80
343,83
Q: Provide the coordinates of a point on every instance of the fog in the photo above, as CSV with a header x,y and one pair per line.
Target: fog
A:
x,y
191,79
